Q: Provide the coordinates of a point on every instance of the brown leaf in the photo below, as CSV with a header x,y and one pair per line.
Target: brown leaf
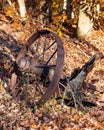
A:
x,y
98,113
34,126
1,126
2,89
13,81
25,123
76,117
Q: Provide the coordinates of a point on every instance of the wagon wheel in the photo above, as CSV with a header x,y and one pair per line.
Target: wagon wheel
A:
x,y
41,44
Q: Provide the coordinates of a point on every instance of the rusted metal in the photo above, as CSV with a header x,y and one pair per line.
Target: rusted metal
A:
x,y
59,62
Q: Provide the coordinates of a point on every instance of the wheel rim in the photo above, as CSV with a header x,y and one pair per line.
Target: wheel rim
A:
x,y
59,61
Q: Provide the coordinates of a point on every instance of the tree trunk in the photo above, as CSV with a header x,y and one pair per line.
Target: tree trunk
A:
x,y
45,12
69,10
22,8
65,5
88,11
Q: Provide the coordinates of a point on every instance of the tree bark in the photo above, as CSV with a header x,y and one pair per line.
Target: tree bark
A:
x,y
22,8
88,12
45,12
69,9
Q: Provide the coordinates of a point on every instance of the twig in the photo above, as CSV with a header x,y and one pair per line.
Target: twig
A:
x,y
72,93
63,96
66,90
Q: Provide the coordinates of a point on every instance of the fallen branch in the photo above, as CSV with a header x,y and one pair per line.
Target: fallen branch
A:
x,y
74,84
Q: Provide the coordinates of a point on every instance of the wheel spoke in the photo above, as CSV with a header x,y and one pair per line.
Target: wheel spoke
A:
x,y
48,48
51,56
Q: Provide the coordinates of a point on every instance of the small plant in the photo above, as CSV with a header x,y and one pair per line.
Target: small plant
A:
x,y
1,82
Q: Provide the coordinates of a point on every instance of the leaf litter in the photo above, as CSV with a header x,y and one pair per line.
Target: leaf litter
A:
x,y
17,115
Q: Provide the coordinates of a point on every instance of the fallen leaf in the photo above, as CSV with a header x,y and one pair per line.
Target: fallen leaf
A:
x,y
34,126
2,89
44,128
75,117
13,81
25,123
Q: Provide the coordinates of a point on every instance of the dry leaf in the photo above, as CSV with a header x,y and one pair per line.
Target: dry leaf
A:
x,y
75,116
102,97
34,126
25,123
13,81
44,128
22,37
2,89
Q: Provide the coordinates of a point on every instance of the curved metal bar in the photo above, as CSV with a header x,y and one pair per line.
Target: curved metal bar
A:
x,y
58,70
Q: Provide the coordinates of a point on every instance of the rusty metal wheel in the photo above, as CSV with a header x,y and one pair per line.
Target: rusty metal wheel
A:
x,y
43,55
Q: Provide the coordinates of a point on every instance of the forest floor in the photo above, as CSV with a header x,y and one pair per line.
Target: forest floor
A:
x,y
16,115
